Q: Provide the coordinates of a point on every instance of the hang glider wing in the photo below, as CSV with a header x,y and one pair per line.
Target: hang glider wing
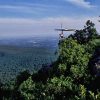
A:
x,y
65,29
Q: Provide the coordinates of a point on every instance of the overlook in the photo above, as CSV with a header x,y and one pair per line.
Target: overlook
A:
x,y
49,50
75,75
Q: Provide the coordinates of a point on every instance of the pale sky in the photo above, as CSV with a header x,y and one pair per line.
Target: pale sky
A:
x,y
23,18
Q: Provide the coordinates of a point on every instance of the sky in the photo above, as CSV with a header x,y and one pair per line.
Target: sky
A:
x,y
27,18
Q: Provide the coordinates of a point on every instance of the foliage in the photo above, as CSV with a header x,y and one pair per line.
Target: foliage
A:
x,y
60,87
27,89
22,77
75,57
88,33
14,60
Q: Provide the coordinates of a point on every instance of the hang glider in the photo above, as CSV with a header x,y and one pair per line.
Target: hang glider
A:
x,y
65,29
61,35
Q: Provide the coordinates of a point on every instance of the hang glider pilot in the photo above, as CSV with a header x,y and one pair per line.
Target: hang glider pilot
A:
x,y
61,35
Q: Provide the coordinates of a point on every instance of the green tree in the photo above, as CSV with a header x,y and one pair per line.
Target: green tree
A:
x,y
73,57
88,33
26,89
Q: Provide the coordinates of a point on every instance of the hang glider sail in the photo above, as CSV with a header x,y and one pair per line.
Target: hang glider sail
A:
x,y
61,35
65,29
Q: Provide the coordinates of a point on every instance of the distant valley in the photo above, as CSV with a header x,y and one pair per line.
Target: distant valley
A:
x,y
30,54
47,42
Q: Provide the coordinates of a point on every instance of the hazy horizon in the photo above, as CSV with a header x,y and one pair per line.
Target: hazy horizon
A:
x,y
26,18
